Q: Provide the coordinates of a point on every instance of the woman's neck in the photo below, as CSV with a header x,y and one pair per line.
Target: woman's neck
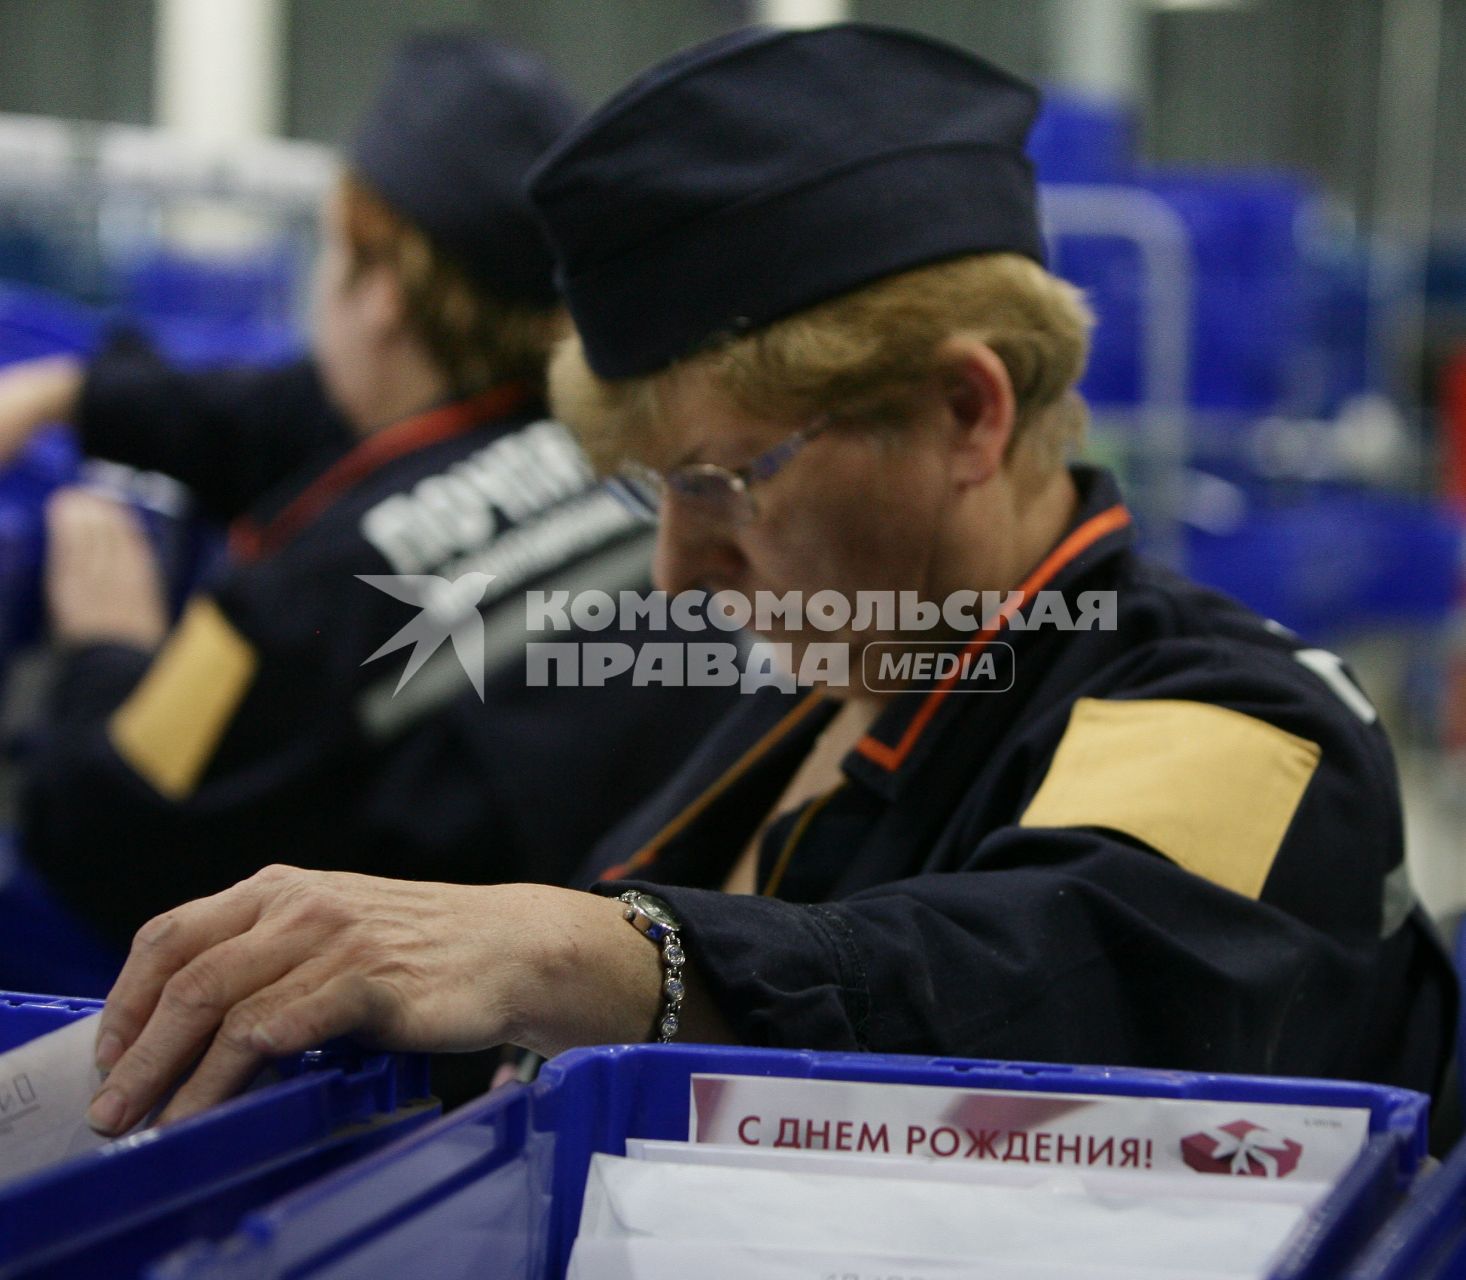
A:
x,y
405,384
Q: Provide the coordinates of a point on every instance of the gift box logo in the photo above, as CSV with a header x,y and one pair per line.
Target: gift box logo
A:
x,y
1241,1149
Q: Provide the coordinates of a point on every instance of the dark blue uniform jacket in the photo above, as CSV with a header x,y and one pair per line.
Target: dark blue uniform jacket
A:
x,y
1207,874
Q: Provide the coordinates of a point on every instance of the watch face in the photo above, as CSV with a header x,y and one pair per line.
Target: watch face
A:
x,y
657,910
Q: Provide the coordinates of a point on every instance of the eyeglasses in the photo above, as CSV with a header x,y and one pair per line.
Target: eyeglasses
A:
x,y
718,494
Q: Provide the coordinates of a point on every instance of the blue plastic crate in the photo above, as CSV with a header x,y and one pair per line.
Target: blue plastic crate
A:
x,y
193,342
205,325
1244,223
1081,137
496,1187
1258,341
1336,559
35,322
247,288
111,1211
1426,1240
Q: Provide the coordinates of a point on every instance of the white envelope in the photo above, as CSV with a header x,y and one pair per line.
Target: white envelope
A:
x,y
1096,1181
1051,1225
46,1086
644,1259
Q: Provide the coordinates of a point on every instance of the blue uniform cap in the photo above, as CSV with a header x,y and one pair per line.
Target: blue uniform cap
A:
x,y
447,142
758,174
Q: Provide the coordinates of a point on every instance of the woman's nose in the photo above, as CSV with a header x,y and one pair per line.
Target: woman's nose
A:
x,y
692,551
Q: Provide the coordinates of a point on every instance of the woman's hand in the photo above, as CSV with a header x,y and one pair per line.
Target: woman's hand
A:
x,y
33,394
103,581
290,958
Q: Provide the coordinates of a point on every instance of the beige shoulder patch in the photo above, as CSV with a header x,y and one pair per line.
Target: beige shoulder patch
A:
x,y
1211,789
170,727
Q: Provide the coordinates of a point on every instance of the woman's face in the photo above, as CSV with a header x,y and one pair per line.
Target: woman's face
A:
x,y
347,334
851,513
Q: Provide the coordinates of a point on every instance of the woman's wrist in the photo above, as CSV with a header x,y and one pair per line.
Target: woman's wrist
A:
x,y
577,973
56,383
35,394
585,976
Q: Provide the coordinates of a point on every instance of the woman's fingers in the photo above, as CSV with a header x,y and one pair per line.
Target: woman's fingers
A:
x,y
160,949
291,958
34,393
208,972
315,1010
347,1003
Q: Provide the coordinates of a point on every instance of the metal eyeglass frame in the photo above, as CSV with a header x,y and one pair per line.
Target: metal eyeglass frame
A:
x,y
708,485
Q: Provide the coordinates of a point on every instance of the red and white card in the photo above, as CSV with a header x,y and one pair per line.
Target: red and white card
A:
x,y
1085,1132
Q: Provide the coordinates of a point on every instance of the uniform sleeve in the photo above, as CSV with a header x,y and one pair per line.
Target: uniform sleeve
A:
x,y
1098,953
208,760
1175,917
228,434
92,681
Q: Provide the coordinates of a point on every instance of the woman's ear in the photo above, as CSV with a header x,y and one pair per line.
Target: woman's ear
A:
x,y
980,402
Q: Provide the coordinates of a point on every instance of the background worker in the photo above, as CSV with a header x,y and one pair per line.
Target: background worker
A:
x,y
414,444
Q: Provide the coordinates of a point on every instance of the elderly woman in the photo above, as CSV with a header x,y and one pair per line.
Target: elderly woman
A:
x,y
805,270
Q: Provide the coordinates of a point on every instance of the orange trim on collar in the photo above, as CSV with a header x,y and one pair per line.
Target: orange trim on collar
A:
x,y
650,851
250,540
1084,537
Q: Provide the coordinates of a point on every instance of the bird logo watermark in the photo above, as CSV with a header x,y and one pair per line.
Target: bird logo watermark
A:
x,y
448,609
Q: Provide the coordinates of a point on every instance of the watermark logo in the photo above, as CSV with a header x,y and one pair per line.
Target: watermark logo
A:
x,y
888,666
868,612
447,610
861,622
669,649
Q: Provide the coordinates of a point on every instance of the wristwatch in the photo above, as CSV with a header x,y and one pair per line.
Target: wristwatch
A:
x,y
654,918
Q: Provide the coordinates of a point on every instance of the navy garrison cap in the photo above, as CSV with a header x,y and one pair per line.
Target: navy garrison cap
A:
x,y
768,170
447,142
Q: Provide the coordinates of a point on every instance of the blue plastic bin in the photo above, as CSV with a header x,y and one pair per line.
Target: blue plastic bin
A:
x,y
496,1187
1336,559
35,322
261,286
1082,137
111,1211
1425,1240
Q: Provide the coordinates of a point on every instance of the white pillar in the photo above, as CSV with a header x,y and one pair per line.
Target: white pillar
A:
x,y
218,64
802,13
1100,46
218,85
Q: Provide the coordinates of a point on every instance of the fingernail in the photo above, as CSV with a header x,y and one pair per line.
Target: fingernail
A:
x,y
109,1049
105,1113
263,1040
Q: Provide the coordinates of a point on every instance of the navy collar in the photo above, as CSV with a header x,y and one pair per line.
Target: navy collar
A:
x,y
906,732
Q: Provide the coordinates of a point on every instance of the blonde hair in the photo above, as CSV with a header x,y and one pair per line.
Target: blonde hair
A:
x,y
475,338
865,356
